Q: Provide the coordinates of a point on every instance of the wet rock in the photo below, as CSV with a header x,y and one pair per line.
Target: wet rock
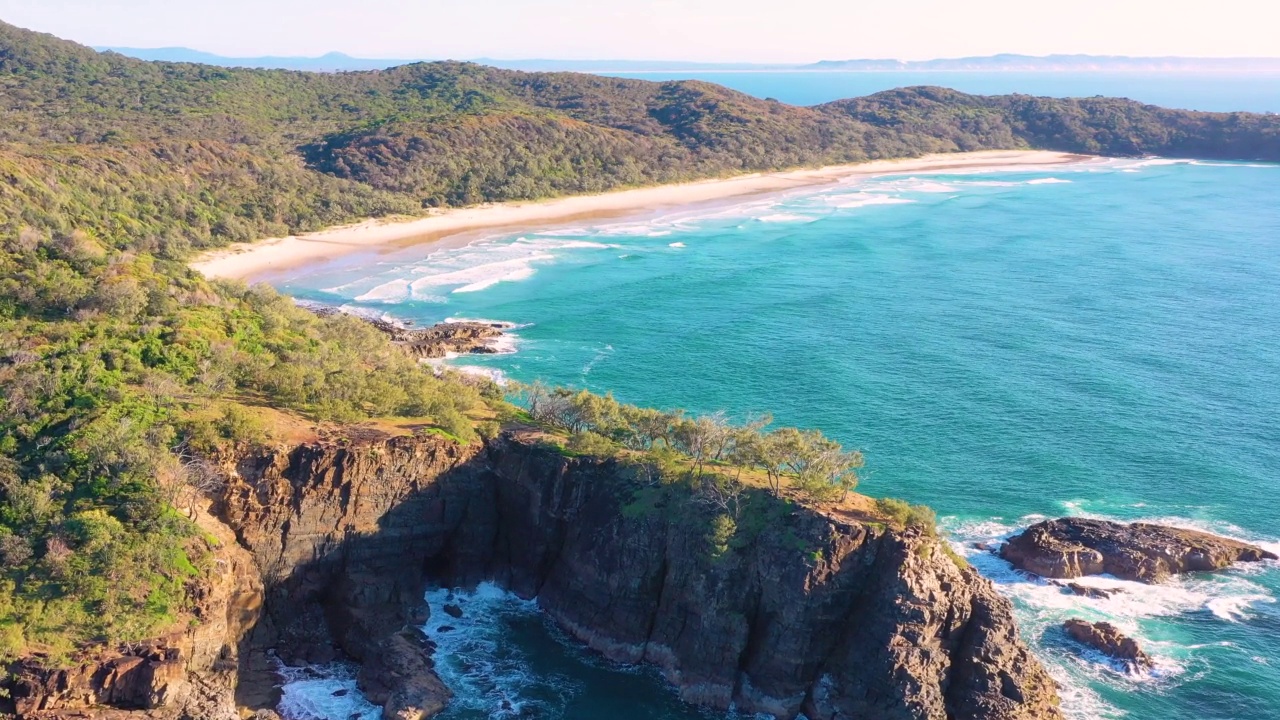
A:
x,y
340,693
1075,547
401,679
453,611
441,340
1093,592
1105,638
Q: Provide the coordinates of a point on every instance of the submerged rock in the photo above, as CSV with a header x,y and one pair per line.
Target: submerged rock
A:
x,y
1105,638
1096,593
1075,547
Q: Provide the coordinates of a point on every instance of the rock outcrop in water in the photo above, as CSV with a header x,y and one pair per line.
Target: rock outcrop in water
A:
x,y
435,342
1075,547
800,612
1105,638
438,341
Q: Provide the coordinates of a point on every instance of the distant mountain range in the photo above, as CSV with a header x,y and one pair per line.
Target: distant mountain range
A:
x,y
334,62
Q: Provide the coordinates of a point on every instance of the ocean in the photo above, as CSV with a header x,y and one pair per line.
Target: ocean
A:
x,y
1187,91
1097,339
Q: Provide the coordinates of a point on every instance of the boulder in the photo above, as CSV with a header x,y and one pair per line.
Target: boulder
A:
x,y
1105,638
1075,547
400,678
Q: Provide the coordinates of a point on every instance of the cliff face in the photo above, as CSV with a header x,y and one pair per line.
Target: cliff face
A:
x,y
812,614
799,613
188,674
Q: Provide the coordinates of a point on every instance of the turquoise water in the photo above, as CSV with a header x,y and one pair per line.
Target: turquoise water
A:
x,y
1096,339
1217,93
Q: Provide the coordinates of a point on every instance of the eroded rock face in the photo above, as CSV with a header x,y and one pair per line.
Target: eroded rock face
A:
x,y
341,533
188,674
813,614
1075,547
1105,638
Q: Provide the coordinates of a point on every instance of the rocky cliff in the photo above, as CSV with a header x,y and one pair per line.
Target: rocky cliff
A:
x,y
187,674
793,611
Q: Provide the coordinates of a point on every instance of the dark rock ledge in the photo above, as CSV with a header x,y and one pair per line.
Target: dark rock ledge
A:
x,y
1075,547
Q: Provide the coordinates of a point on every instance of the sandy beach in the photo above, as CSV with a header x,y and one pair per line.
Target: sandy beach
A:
x,y
247,261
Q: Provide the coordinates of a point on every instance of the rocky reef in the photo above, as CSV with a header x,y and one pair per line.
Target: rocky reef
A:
x,y
467,337
1075,547
439,341
1105,638
801,611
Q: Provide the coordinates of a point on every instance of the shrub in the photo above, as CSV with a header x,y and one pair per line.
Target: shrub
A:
x,y
589,443
904,515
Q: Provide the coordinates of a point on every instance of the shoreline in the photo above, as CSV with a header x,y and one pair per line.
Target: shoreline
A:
x,y
249,261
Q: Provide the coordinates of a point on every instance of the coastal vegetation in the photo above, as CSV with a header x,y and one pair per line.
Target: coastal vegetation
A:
x,y
122,372
166,157
717,451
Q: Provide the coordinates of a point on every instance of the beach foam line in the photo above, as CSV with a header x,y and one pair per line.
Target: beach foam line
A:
x,y
276,255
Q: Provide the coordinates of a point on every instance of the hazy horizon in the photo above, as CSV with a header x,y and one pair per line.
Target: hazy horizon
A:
x,y
718,31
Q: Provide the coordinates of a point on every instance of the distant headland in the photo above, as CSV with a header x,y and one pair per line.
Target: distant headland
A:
x,y
340,62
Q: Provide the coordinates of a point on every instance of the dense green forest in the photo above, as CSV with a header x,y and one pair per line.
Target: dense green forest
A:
x,y
122,371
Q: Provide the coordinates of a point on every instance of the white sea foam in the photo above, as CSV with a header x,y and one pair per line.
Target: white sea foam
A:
x,y
1230,596
326,692
990,183
864,199
784,217
1205,163
676,245
476,660
500,324
600,356
1227,595
1048,181
477,277
918,185
393,291
497,376
516,275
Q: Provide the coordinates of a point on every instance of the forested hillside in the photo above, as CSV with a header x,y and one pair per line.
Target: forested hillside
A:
x,y
120,368
169,156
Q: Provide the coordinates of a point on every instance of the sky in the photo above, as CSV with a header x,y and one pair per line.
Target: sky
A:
x,y
694,30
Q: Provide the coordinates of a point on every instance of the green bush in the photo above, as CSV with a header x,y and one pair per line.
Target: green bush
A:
x,y
904,515
589,443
